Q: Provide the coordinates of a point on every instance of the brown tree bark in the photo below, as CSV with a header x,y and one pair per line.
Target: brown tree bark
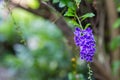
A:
x,y
102,56
112,17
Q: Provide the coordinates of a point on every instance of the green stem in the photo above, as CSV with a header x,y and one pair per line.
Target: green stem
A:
x,y
90,71
78,21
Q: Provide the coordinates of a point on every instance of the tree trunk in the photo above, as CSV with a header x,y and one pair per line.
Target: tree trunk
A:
x,y
112,17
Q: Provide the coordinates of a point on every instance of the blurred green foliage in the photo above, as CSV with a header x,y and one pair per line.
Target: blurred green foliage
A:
x,y
45,55
115,67
115,43
34,4
117,23
117,3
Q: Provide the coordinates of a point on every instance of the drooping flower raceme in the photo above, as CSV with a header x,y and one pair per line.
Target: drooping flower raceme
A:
x,y
85,40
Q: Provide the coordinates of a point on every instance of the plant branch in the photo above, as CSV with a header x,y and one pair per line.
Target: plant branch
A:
x,y
51,14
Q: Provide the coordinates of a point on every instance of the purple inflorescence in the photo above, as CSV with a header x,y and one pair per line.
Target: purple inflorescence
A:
x,y
85,40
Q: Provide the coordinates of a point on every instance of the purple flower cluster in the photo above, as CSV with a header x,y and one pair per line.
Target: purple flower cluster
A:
x,y
85,40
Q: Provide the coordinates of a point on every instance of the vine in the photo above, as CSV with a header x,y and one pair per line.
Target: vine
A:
x,y
90,73
17,27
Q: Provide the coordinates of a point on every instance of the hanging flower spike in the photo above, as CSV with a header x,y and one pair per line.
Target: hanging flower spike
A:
x,y
85,40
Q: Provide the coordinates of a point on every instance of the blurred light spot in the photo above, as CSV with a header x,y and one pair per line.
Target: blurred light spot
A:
x,y
53,65
80,62
101,58
23,54
73,59
33,43
33,4
17,47
42,62
62,73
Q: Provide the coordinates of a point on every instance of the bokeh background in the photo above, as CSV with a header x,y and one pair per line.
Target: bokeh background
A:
x,y
36,40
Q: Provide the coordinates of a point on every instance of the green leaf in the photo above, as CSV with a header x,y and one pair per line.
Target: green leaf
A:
x,y
70,4
73,22
55,1
117,23
69,13
61,4
115,43
87,15
71,76
87,25
78,2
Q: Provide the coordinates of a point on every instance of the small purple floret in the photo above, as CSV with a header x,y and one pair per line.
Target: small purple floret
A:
x,y
85,40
